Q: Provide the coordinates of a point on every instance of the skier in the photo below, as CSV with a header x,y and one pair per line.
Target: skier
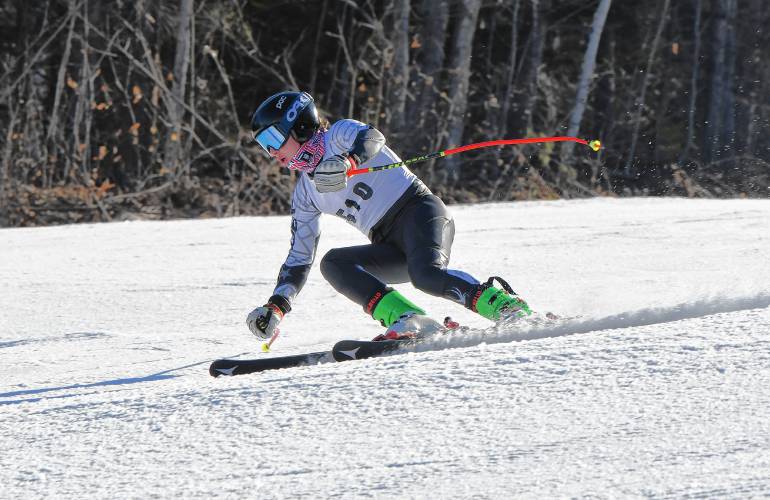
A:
x,y
410,229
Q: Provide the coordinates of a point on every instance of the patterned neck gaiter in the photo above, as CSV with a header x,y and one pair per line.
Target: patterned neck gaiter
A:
x,y
309,154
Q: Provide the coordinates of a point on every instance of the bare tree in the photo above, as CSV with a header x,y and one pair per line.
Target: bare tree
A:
x,y
106,107
526,97
427,75
459,76
586,74
693,83
640,102
398,78
755,79
720,129
317,46
511,73
173,152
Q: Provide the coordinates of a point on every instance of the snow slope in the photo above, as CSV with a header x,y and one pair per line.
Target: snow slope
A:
x,y
659,388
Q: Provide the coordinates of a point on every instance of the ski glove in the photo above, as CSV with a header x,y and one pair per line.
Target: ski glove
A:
x,y
264,320
331,174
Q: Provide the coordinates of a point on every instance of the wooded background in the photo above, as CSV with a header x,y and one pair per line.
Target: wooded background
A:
x,y
119,109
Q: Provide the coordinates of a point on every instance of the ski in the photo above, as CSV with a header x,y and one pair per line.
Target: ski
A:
x,y
346,350
231,367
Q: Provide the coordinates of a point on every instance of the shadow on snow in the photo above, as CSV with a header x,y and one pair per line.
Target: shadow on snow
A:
x,y
155,377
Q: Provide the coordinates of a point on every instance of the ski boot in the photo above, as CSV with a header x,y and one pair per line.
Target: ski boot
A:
x,y
403,319
409,326
498,305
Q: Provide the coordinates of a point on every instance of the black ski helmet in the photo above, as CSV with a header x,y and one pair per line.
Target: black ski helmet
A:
x,y
291,112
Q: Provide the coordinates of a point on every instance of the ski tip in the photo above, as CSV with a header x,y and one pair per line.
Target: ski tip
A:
x,y
225,367
213,370
596,145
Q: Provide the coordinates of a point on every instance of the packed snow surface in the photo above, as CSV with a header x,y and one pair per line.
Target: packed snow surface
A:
x,y
658,385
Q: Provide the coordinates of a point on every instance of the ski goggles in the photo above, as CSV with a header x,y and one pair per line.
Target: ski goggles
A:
x,y
270,139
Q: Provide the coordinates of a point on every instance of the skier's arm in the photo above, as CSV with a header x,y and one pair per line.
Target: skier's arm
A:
x,y
367,145
355,144
353,138
305,231
264,320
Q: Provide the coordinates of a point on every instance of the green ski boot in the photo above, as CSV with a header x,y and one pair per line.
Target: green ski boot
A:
x,y
402,318
391,306
496,304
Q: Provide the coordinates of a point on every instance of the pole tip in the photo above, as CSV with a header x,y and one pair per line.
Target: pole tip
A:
x,y
265,347
596,145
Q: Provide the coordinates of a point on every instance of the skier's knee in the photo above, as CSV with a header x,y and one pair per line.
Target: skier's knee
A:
x,y
330,265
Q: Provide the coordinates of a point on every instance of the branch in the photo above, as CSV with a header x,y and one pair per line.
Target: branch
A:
x,y
32,62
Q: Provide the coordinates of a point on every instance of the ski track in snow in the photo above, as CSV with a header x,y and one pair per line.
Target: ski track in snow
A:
x,y
539,328
659,387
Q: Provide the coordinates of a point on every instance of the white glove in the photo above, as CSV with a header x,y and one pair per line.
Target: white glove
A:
x,y
331,174
263,321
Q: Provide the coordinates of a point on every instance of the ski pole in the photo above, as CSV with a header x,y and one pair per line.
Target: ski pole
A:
x,y
266,346
595,145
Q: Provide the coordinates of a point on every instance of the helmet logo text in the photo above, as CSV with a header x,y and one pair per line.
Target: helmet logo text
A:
x,y
280,102
299,103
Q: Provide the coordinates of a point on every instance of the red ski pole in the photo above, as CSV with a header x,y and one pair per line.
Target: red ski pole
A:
x,y
595,145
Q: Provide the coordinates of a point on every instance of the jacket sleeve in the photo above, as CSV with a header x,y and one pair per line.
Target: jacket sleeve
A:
x,y
305,232
362,142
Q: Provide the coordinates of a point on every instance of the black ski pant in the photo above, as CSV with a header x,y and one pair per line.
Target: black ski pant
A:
x,y
415,249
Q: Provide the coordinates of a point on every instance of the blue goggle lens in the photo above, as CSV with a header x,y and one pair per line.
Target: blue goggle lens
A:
x,y
270,138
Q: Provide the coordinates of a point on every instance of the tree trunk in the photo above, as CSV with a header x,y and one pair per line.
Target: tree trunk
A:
x,y
524,104
491,88
399,73
459,76
430,62
6,158
727,135
645,82
693,83
316,46
502,126
755,78
586,75
174,156
53,135
719,84
606,92
507,91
